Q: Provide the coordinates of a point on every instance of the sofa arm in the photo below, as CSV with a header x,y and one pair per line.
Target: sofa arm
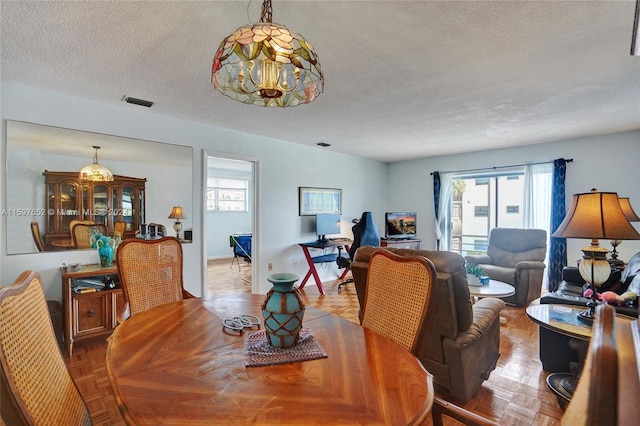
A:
x,y
571,274
478,259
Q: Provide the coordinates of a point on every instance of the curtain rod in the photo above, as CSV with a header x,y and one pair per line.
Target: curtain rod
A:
x,y
570,160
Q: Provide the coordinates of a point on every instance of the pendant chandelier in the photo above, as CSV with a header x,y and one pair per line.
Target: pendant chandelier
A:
x,y
95,172
267,64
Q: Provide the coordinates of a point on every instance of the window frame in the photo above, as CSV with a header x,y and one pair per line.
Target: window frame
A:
x,y
219,187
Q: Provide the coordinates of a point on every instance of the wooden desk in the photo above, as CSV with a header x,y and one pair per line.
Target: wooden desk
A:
x,y
327,258
174,365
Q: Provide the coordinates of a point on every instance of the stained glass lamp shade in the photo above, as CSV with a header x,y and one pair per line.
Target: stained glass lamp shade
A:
x,y
95,172
267,64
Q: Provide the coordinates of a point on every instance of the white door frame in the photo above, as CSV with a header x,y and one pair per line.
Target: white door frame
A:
x,y
254,210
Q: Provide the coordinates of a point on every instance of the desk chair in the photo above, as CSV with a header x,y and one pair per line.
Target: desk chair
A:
x,y
241,245
397,305
37,236
36,387
365,233
151,273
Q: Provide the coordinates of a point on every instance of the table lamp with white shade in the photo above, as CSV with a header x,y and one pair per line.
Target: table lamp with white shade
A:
x,y
595,215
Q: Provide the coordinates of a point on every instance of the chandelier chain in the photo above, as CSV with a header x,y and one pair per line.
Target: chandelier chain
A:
x,y
267,11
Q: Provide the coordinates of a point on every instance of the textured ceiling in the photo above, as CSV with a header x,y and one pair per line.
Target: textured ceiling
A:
x,y
403,79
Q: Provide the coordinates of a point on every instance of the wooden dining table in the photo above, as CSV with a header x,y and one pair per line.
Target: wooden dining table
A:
x,y
63,244
176,365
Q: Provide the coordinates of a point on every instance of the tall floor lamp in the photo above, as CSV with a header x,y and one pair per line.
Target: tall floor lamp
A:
x,y
595,215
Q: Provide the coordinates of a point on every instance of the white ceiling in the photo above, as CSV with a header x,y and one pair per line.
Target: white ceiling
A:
x,y
403,79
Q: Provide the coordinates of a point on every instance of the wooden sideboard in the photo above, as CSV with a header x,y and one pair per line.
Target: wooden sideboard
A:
x,y
413,244
92,314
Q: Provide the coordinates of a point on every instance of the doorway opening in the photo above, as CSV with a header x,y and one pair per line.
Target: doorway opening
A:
x,y
230,218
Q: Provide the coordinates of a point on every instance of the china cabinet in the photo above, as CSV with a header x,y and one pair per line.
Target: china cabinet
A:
x,y
68,198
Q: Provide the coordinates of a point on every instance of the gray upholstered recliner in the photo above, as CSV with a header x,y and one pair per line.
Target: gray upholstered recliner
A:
x,y
462,341
515,256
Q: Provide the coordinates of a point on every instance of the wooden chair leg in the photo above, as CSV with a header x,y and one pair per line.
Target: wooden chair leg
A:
x,y
445,408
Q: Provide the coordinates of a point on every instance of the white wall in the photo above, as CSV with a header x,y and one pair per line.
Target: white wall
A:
x,y
608,163
219,227
282,168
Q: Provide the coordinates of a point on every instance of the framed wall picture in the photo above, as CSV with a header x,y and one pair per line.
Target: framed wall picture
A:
x,y
314,201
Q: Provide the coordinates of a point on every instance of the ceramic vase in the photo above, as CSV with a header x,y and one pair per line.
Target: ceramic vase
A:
x,y
105,251
283,310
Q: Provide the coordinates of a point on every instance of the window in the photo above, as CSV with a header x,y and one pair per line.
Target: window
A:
x,y
481,211
480,245
482,202
227,195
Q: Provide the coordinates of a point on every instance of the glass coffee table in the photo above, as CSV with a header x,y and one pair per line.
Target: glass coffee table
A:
x,y
563,319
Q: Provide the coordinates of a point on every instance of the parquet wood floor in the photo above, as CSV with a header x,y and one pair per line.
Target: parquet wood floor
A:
x,y
515,394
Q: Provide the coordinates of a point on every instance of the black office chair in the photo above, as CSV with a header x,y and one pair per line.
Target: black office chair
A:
x,y
365,233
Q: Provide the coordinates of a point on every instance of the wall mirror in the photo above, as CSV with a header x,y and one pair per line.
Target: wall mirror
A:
x,y
33,148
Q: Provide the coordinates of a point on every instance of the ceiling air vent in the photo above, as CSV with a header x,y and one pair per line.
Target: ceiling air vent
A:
x,y
137,101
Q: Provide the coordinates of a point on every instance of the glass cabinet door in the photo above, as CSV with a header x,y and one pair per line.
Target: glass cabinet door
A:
x,y
67,204
127,210
141,211
100,204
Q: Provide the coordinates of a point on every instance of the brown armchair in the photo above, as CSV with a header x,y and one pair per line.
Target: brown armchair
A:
x,y
462,341
515,256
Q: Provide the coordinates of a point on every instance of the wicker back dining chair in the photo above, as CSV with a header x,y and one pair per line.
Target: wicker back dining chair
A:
x,y
150,273
398,294
81,233
397,298
36,386
119,226
37,236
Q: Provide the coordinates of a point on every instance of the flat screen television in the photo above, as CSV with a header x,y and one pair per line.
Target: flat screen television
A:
x,y
400,225
327,224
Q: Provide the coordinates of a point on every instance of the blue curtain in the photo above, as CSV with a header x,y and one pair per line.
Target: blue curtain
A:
x,y
558,248
436,201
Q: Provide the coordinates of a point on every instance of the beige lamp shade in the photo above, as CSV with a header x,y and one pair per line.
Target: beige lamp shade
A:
x,y
596,215
177,213
625,205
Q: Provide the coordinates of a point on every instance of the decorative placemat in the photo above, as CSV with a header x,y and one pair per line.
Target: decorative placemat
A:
x,y
258,352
